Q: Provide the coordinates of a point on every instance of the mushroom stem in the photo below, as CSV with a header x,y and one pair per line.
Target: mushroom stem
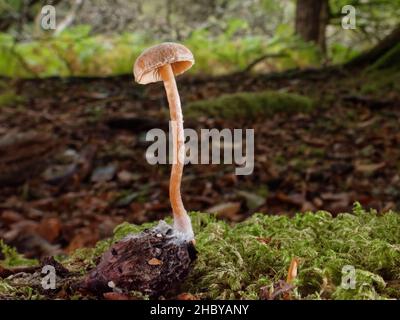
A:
x,y
182,221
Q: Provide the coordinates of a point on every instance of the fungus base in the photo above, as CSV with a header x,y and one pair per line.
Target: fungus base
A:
x,y
153,262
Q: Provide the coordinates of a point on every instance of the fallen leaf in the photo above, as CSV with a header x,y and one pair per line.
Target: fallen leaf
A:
x,y
10,216
50,229
125,176
292,272
366,123
369,167
253,201
104,174
227,210
84,238
307,206
115,296
154,262
317,142
187,296
340,196
296,199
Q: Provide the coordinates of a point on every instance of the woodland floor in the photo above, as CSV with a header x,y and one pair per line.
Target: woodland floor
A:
x,y
346,150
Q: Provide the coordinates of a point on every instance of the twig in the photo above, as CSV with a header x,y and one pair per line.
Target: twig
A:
x,y
252,64
370,102
70,17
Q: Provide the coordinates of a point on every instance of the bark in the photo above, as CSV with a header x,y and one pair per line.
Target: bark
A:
x,y
311,21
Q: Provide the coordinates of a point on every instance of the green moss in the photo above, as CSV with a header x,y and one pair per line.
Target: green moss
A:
x,y
249,105
381,82
13,259
236,261
9,99
13,292
384,75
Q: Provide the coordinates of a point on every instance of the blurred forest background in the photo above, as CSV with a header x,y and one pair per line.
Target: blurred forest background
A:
x,y
100,38
323,100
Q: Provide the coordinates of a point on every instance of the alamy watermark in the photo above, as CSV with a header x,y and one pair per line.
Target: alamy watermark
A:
x,y
48,18
348,277
49,277
349,20
227,147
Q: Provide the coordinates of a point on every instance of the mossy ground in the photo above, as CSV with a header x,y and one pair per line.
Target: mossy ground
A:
x,y
8,97
384,75
237,261
249,105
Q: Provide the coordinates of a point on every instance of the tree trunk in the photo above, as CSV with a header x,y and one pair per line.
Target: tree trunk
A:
x,y
311,21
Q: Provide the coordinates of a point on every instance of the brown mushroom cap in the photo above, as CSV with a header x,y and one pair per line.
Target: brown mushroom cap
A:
x,y
147,64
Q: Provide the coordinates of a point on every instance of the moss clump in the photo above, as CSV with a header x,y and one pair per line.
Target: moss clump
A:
x,y
249,105
9,99
13,259
235,262
381,82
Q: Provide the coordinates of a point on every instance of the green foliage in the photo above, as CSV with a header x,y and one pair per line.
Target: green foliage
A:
x,y
13,259
379,83
75,52
10,98
226,53
249,105
341,53
226,36
374,19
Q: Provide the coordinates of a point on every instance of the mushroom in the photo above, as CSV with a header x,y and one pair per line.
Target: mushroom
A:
x,y
157,259
162,63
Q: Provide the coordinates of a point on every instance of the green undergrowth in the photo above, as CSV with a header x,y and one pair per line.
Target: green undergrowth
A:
x,y
78,51
383,76
9,99
238,261
11,258
249,105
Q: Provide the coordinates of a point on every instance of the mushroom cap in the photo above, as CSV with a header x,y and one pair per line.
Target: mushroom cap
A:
x,y
147,64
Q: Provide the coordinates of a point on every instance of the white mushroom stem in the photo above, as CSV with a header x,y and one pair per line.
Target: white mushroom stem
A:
x,y
182,221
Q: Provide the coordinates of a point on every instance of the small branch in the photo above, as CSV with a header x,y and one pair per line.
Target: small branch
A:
x,y
70,17
263,57
367,101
